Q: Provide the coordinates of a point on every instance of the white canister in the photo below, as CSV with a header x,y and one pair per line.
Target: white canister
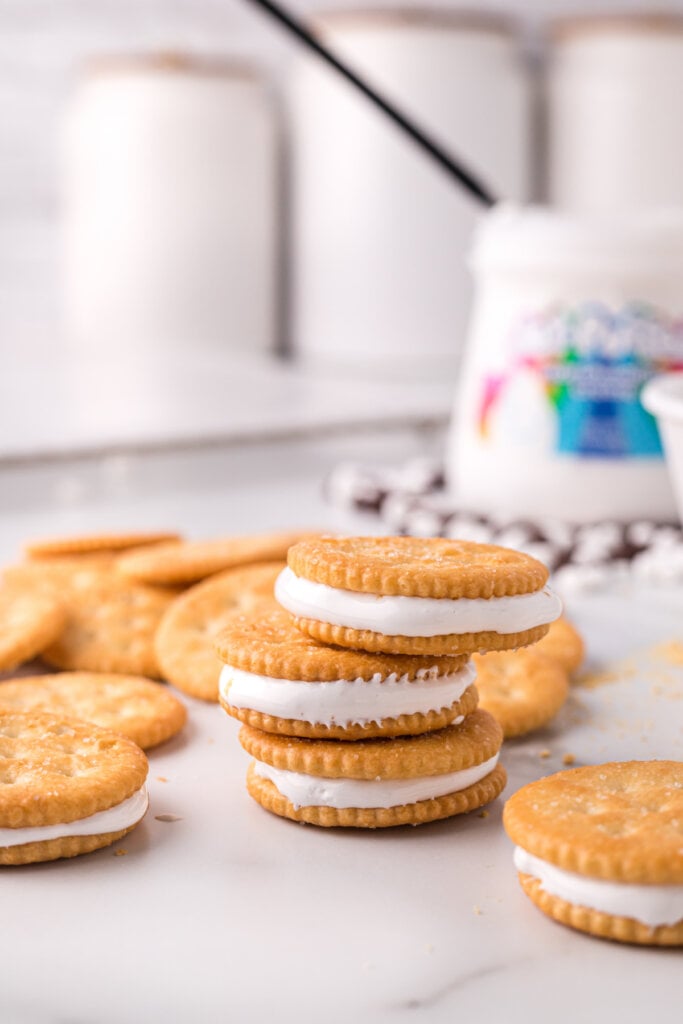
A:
x,y
379,232
170,207
615,109
571,318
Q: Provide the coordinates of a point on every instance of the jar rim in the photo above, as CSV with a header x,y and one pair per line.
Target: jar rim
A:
x,y
541,237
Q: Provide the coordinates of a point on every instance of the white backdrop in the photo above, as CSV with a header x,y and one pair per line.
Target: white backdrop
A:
x,y
42,44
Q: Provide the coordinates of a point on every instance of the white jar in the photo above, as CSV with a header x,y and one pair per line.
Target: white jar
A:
x,y
615,109
170,221
571,317
379,232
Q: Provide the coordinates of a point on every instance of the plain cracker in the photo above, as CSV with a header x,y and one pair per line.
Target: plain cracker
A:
x,y
29,622
523,690
192,561
184,639
143,711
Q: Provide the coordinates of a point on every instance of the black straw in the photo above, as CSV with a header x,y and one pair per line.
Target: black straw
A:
x,y
461,174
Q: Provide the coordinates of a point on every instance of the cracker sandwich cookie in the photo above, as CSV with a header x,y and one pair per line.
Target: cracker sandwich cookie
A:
x,y
277,679
601,849
377,783
66,787
523,690
408,595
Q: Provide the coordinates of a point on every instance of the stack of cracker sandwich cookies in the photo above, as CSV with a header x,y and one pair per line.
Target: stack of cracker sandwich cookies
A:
x,y
356,689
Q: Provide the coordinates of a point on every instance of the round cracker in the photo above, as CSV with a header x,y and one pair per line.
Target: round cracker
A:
x,y
453,749
54,575
54,770
110,626
266,641
621,821
594,922
523,690
419,813
453,644
192,561
143,711
29,622
416,567
184,639
564,644
57,547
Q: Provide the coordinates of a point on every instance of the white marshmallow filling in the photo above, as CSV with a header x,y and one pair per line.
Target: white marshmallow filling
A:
x,y
313,791
651,905
345,702
114,819
415,616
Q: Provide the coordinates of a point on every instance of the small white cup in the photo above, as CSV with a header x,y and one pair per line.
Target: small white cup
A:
x,y
663,397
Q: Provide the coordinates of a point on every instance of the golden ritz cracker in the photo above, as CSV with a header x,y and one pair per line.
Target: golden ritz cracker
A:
x,y
279,680
523,690
377,783
184,638
564,644
145,712
407,595
29,622
95,543
600,849
191,561
110,627
66,787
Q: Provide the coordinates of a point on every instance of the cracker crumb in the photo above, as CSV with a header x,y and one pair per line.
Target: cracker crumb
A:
x,y
543,754
477,910
483,814
161,778
429,948
568,759
120,853
167,817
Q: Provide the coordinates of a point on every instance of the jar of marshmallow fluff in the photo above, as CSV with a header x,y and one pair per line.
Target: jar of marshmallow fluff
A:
x,y
571,317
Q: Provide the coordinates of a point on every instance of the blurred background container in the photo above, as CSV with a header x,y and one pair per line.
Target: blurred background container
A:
x,y
572,316
170,207
615,109
380,235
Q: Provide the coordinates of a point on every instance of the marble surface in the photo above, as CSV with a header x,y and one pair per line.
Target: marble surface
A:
x,y
232,914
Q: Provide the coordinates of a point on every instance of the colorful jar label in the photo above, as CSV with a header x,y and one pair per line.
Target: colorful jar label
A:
x,y
574,378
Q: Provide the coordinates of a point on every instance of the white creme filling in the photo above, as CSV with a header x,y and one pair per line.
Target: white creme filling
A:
x,y
313,791
123,815
345,701
651,905
415,616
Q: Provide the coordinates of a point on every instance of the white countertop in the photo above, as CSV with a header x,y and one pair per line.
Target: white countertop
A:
x,y
95,402
231,914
